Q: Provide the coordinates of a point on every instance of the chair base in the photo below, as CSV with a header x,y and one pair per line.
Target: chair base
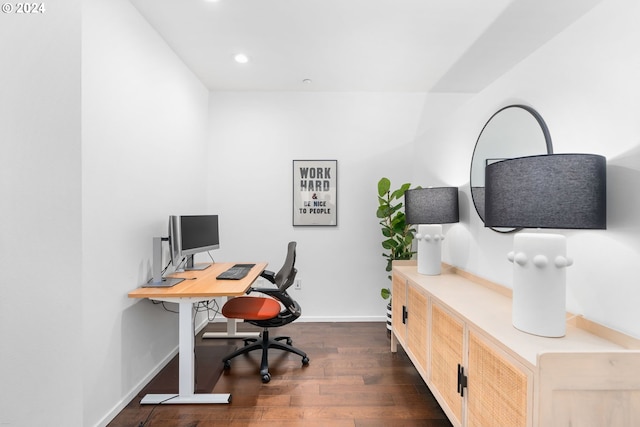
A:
x,y
264,344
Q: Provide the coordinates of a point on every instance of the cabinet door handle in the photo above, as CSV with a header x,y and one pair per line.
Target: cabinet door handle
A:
x,y
405,314
462,380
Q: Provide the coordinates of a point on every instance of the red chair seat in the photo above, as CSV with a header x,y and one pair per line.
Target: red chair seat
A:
x,y
251,308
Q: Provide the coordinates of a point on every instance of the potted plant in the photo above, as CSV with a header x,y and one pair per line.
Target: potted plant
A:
x,y
398,235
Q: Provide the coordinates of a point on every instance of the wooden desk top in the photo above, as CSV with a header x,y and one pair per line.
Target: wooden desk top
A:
x,y
203,283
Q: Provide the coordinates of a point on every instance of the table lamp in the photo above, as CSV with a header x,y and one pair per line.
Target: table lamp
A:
x,y
562,191
429,208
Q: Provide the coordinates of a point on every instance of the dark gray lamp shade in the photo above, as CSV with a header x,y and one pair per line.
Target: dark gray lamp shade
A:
x,y
567,191
435,205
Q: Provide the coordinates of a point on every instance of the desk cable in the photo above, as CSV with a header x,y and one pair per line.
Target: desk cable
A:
x,y
144,423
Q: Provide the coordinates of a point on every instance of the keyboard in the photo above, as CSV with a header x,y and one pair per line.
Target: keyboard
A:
x,y
237,272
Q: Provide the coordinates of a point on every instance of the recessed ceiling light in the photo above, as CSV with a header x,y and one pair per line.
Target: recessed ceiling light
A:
x,y
241,58
307,81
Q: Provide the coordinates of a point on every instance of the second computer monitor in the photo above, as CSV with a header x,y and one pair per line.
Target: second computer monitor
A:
x,y
192,234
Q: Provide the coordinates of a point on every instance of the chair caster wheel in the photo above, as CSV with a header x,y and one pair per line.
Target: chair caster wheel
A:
x,y
266,378
227,365
305,361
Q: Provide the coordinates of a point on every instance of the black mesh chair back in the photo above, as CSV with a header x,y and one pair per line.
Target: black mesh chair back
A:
x,y
276,309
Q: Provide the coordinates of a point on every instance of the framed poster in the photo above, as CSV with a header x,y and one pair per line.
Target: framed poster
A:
x,y
315,192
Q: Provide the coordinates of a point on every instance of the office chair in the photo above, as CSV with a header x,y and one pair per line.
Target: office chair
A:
x,y
267,312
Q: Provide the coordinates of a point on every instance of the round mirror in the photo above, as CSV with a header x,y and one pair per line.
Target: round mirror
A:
x,y
513,131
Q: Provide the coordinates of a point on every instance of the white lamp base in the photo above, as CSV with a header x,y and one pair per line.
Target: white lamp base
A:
x,y
430,239
539,283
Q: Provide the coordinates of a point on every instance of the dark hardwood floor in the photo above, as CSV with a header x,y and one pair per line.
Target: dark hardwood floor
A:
x,y
352,380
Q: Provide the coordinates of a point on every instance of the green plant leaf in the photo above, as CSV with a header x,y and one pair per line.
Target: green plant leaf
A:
x,y
389,265
385,293
383,212
399,193
390,244
398,228
398,220
383,186
395,208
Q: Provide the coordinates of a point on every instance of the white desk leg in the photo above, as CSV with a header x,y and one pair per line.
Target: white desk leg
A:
x,y
186,368
232,326
186,345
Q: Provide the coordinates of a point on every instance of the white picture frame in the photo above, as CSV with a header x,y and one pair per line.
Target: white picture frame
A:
x,y
315,192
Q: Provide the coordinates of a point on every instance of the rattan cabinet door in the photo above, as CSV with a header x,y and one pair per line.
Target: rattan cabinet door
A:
x,y
447,340
498,390
398,306
417,327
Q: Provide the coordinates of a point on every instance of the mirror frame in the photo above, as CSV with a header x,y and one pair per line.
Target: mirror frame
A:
x,y
547,140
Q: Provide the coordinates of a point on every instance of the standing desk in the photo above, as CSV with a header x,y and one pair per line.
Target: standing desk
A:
x,y
199,285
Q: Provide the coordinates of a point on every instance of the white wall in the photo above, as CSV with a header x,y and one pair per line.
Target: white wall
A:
x,y
144,122
97,203
40,306
254,139
584,83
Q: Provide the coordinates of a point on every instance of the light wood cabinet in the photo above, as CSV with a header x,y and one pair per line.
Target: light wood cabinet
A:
x,y
399,306
498,389
409,312
447,345
417,326
486,373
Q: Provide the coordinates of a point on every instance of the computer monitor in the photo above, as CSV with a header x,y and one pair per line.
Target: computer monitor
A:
x,y
192,234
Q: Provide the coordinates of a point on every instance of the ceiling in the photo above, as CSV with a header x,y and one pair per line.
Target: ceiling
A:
x,y
357,45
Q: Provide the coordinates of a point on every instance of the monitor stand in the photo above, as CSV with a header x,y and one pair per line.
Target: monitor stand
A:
x,y
158,281
190,266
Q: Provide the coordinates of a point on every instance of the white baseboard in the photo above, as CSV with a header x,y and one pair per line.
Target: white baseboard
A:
x,y
143,382
134,392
